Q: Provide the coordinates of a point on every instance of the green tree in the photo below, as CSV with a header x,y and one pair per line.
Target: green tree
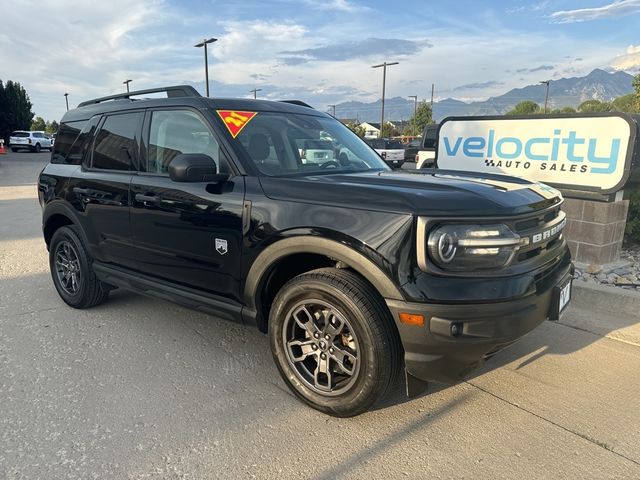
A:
x,y
422,118
564,110
38,124
627,103
52,127
594,106
15,109
356,128
526,107
388,130
636,84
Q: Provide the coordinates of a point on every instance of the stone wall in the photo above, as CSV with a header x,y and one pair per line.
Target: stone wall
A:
x,y
595,230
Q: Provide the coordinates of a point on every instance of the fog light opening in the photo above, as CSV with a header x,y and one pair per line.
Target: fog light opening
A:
x,y
456,329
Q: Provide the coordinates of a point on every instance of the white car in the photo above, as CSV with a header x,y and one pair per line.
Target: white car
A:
x,y
392,151
426,157
34,141
315,151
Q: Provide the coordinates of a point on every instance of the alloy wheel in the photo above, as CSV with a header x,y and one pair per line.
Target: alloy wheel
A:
x,y
321,347
67,266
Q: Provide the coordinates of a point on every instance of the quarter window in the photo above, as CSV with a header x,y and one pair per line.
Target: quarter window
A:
x,y
115,146
173,132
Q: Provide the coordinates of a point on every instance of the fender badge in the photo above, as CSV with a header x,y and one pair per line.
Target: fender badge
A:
x,y
221,246
235,120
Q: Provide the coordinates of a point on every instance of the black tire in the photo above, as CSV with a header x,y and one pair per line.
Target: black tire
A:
x,y
89,291
14,150
37,148
340,296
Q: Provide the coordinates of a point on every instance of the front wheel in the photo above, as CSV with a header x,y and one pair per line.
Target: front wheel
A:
x,y
334,342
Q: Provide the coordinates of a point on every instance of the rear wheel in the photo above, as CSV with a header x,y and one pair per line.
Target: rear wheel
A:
x,y
72,272
37,148
334,341
14,149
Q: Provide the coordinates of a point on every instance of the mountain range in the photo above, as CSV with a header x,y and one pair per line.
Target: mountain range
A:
x,y
565,92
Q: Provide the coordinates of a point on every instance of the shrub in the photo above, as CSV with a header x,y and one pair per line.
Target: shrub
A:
x,y
632,232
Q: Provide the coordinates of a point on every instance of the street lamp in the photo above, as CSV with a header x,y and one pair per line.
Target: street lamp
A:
x,y
204,44
66,99
384,79
334,109
546,95
255,91
415,110
127,82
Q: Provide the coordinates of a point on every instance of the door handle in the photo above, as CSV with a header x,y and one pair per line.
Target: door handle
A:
x,y
81,191
147,198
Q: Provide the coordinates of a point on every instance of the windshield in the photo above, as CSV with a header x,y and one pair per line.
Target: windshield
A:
x,y
20,134
286,144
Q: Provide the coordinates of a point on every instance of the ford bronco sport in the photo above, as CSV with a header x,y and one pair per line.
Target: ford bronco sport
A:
x,y
355,271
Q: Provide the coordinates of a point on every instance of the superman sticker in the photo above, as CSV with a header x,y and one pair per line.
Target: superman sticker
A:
x,y
235,120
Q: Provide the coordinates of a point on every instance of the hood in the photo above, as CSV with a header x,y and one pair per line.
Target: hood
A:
x,y
420,192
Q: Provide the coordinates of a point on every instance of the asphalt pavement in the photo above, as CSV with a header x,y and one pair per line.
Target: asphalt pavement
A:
x,y
138,388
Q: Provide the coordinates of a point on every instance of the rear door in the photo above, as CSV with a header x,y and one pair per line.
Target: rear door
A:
x,y
187,233
100,188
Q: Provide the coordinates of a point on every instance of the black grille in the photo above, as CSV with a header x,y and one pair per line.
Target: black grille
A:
x,y
536,225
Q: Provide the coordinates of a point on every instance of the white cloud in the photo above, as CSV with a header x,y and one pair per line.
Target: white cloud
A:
x,y
615,9
336,5
629,61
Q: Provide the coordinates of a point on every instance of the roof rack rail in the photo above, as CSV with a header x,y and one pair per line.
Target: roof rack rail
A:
x,y
297,102
175,91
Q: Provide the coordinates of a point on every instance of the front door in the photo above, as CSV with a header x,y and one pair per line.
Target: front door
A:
x,y
187,233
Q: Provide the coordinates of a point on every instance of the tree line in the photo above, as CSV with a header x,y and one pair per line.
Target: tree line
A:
x,y
16,112
629,103
15,109
422,117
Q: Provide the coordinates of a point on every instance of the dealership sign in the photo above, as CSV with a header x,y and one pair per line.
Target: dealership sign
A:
x,y
574,152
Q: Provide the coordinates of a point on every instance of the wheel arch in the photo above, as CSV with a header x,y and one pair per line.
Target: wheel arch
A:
x,y
58,215
306,253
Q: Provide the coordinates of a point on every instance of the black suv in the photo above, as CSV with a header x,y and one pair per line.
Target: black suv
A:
x,y
354,270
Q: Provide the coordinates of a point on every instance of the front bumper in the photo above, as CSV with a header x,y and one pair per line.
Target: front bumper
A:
x,y
434,353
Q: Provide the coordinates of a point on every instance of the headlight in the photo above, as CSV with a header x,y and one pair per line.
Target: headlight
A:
x,y
473,247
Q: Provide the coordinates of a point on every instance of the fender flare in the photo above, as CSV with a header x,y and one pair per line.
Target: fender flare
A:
x,y
309,244
60,208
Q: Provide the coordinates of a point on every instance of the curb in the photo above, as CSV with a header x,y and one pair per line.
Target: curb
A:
x,y
591,296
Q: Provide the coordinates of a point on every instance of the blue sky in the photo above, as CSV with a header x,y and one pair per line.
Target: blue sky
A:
x,y
317,51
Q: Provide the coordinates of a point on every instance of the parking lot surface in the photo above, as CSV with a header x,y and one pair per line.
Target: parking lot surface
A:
x,y
140,388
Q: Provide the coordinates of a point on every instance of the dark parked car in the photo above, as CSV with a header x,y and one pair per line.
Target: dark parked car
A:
x,y
355,271
411,150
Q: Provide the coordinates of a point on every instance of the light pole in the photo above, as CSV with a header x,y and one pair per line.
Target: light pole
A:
x,y
384,80
433,86
66,99
415,109
204,44
334,109
546,95
255,91
127,82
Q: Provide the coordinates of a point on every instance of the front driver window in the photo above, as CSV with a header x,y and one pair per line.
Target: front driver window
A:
x,y
173,132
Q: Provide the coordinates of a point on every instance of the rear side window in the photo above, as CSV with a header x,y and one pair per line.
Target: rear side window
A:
x,y
430,136
115,147
66,136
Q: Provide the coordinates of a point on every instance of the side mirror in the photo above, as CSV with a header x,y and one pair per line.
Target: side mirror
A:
x,y
195,167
